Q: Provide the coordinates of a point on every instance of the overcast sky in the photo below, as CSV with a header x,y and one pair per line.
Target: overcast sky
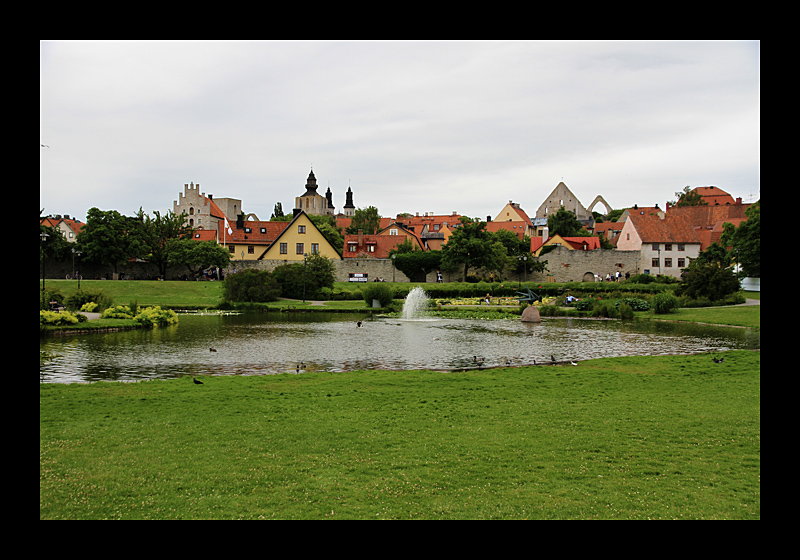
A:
x,y
409,126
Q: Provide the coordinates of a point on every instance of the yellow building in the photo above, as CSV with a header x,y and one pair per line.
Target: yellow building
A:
x,y
300,237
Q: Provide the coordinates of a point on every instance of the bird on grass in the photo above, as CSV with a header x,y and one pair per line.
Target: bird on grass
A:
x,y
212,349
196,382
574,363
478,360
358,324
552,358
716,361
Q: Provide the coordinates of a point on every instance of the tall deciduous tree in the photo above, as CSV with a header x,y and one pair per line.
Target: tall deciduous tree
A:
x,y
156,234
472,246
197,256
745,241
109,238
365,219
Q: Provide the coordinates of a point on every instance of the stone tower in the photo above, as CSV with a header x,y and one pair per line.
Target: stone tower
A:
x,y
311,202
349,207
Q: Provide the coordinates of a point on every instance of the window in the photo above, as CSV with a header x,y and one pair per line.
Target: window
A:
x,y
655,263
352,247
299,248
668,246
681,247
251,249
392,232
263,230
667,263
655,246
301,229
284,249
370,248
629,236
232,248
315,248
248,230
681,263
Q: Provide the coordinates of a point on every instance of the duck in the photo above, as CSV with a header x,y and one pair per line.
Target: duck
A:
x,y
196,382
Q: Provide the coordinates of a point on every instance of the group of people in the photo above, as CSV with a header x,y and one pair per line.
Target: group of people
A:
x,y
609,278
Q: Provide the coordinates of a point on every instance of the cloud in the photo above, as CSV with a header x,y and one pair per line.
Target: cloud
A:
x,y
411,126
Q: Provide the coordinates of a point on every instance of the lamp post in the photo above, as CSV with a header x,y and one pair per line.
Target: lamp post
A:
x,y
74,252
43,236
524,259
393,256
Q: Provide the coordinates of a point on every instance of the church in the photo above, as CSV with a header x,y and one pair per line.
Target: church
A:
x,y
311,202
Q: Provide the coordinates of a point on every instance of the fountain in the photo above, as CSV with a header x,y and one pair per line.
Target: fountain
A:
x,y
416,303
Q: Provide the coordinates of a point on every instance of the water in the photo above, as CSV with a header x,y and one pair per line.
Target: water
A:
x,y
262,344
416,304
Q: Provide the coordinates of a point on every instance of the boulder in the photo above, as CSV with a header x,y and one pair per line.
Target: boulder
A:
x,y
531,315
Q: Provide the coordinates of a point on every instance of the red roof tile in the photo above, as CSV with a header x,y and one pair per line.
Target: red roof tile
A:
x,y
672,229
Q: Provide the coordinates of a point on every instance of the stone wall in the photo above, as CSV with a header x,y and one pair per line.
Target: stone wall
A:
x,y
563,266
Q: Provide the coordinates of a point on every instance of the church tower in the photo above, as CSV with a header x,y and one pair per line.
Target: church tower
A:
x,y
311,202
349,208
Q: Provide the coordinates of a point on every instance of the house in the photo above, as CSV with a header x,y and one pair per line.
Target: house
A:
x,y
246,240
514,219
707,219
641,211
298,238
667,245
68,227
203,211
571,243
714,196
378,245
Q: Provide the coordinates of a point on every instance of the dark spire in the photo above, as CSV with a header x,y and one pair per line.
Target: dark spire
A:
x,y
311,185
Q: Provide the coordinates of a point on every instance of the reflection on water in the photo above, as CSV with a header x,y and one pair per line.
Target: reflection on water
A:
x,y
256,344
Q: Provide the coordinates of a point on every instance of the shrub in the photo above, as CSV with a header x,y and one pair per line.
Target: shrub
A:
x,y
625,310
604,308
379,291
81,297
155,316
56,318
117,312
634,303
664,302
251,286
50,294
89,307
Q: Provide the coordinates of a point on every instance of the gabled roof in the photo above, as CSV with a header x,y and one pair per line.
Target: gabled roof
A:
x,y
591,243
672,229
272,230
714,195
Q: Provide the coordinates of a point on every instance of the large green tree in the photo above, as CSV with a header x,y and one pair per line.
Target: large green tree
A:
x,y
110,238
197,256
564,223
365,219
470,245
156,234
745,241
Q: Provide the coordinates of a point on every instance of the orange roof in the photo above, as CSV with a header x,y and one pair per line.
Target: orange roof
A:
x,y
672,229
261,233
714,195
591,243
514,227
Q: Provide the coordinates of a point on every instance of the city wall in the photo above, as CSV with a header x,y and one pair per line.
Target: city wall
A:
x,y
563,266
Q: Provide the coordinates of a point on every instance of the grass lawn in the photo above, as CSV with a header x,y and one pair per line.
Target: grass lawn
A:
x,y
173,294
740,316
669,437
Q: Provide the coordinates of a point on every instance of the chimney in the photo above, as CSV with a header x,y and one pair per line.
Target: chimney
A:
x,y
488,219
360,237
545,234
211,197
738,200
240,221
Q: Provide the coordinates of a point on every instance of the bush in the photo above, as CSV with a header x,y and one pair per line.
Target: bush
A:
x,y
625,310
604,308
664,302
89,307
634,303
155,316
117,312
251,286
81,297
56,318
379,291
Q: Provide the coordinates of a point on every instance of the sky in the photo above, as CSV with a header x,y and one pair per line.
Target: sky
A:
x,y
409,126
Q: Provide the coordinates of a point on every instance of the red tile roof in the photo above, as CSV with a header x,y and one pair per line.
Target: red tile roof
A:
x,y
672,229
714,195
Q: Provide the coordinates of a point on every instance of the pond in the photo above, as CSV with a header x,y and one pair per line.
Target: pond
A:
x,y
275,343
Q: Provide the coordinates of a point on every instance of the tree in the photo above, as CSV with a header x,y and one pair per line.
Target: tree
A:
x,y
110,238
365,219
707,280
564,223
197,256
277,212
299,278
329,230
251,285
745,241
156,234
417,264
471,245
687,197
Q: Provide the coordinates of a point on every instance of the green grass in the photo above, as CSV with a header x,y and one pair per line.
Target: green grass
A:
x,y
674,437
739,316
172,294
